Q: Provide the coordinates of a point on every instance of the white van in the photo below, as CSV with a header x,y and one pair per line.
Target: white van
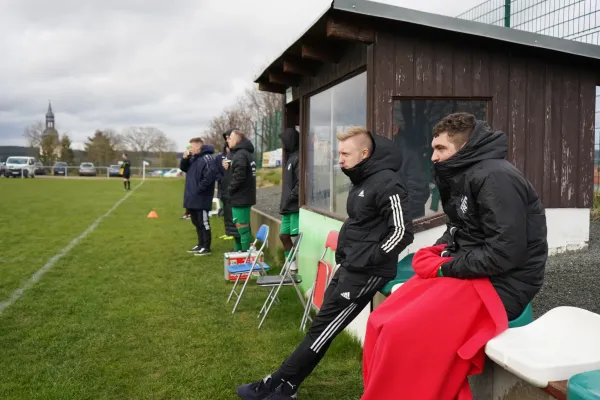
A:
x,y
18,167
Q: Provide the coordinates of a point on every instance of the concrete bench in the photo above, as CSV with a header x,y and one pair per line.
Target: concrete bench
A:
x,y
543,354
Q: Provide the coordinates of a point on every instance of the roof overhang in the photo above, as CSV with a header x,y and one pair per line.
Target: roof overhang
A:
x,y
346,21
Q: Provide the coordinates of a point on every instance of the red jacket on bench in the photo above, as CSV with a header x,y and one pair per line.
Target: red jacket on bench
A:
x,y
426,338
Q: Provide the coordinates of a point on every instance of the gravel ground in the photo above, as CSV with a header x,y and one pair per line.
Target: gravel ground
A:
x,y
267,201
571,279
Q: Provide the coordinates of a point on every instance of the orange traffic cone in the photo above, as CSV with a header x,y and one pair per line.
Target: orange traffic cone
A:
x,y
153,214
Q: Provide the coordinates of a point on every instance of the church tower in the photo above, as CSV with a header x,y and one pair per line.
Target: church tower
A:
x,y
49,117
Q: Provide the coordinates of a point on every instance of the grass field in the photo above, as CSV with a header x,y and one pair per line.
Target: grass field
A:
x,y
126,313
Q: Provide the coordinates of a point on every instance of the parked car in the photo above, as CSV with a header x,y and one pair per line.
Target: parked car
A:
x,y
39,168
173,173
114,170
60,168
87,169
20,167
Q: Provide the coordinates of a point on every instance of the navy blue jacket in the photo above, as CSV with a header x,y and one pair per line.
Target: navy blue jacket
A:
x,y
199,179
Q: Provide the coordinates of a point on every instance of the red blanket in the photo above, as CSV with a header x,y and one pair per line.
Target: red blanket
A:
x,y
428,336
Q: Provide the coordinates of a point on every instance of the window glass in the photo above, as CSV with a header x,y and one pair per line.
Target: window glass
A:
x,y
412,131
330,111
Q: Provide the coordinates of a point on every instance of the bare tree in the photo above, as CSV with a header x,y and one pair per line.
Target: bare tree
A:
x,y
33,134
143,140
262,104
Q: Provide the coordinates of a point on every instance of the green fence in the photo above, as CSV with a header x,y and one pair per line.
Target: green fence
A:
x,y
266,135
567,19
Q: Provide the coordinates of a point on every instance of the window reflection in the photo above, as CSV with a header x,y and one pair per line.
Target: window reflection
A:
x,y
412,131
331,111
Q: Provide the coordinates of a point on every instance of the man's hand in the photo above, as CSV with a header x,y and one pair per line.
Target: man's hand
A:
x,y
225,164
186,153
427,261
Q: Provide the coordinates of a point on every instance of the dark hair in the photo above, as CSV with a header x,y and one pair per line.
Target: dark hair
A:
x,y
241,134
458,126
197,140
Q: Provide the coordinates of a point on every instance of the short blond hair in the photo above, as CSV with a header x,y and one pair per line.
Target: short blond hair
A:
x,y
360,132
351,132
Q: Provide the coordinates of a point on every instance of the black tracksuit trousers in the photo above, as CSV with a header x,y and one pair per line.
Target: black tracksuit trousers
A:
x,y
346,296
201,221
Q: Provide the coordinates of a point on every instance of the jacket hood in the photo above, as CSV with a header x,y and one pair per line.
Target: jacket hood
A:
x,y
244,144
207,149
290,139
483,144
383,157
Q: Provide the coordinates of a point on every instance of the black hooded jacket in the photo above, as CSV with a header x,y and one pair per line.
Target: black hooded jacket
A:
x,y
496,223
378,227
241,190
290,176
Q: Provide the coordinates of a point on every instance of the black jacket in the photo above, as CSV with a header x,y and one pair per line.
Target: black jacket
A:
x,y
199,179
241,191
290,176
496,223
220,172
378,227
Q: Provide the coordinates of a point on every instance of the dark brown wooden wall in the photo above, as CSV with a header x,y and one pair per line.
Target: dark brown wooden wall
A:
x,y
353,59
545,106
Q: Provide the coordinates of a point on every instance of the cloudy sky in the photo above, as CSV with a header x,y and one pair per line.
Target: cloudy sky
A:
x,y
173,64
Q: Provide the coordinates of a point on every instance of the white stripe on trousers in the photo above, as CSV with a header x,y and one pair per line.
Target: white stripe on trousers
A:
x,y
205,220
341,317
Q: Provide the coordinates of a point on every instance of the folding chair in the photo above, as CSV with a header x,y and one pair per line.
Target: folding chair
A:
x,y
322,278
277,281
250,267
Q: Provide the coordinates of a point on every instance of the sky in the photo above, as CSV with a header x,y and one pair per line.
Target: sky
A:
x,y
172,64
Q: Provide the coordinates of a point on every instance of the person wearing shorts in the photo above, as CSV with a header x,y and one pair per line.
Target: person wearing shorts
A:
x,y
126,172
288,208
241,190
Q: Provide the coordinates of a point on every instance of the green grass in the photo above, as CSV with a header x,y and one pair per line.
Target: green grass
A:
x,y
127,313
268,177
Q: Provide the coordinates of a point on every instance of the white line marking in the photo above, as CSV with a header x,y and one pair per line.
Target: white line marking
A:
x,y
17,294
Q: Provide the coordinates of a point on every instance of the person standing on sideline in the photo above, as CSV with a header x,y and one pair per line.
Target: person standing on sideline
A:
x,y
231,231
199,166
377,229
186,215
220,174
126,172
289,194
242,186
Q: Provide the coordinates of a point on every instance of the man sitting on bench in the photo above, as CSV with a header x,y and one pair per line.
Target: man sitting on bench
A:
x,y
376,231
497,224
495,243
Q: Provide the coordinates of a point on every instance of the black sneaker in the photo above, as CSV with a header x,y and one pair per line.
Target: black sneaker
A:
x,y
195,249
259,390
285,391
202,252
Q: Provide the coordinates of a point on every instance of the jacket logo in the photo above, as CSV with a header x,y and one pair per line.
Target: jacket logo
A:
x,y
289,166
463,204
361,194
346,295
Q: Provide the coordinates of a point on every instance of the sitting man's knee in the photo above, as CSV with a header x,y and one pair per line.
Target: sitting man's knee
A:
x,y
284,237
